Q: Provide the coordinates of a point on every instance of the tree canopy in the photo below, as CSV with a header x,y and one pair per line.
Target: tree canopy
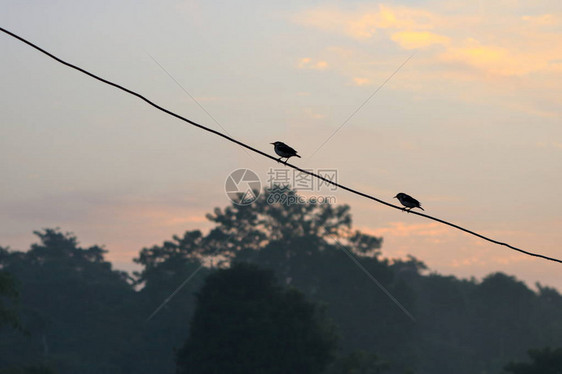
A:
x,y
245,322
8,298
83,316
70,298
544,361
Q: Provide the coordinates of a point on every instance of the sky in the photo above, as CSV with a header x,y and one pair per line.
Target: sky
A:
x,y
464,114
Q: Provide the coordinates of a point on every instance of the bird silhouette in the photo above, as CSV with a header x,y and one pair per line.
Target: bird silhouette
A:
x,y
408,202
284,151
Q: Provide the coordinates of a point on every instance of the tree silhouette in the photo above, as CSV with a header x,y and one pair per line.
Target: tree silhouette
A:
x,y
245,322
9,296
71,303
545,361
28,370
359,362
82,316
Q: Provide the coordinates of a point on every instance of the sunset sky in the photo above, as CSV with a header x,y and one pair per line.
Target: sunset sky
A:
x,y
470,125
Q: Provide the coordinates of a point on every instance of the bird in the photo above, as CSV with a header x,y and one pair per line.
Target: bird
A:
x,y
408,202
284,151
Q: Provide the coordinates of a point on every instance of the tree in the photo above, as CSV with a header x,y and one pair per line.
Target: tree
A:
x,y
8,297
28,370
82,316
245,322
359,362
302,243
165,264
273,218
545,361
507,305
71,306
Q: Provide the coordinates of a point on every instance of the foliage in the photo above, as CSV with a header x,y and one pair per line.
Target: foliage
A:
x,y
545,361
28,370
71,303
8,298
83,316
358,362
252,227
244,322
161,263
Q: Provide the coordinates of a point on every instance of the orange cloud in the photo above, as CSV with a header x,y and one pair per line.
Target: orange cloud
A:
x,y
364,23
520,46
542,20
467,262
401,229
159,216
361,81
418,39
496,60
308,63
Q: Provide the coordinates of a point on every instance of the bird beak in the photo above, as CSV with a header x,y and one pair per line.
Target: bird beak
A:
x,y
272,143
395,197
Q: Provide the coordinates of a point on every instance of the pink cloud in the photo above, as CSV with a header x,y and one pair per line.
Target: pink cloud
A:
x,y
401,229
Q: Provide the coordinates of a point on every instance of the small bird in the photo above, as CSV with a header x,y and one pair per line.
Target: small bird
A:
x,y
284,151
408,201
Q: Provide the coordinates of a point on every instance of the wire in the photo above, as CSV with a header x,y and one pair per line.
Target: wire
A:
x,y
193,98
169,298
363,104
359,193
373,279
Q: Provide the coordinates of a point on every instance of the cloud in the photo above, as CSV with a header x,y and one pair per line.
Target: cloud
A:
x,y
364,23
468,262
158,215
341,51
494,44
401,229
311,113
92,215
475,54
361,81
308,63
541,20
418,39
493,59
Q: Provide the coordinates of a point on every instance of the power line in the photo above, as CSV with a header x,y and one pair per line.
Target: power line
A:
x,y
178,289
359,193
363,104
373,279
186,281
193,98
